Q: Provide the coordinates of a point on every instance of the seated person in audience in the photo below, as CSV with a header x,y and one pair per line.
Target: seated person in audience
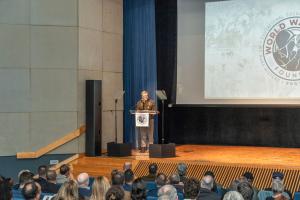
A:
x,y
117,178
139,190
83,185
25,177
6,185
191,188
215,185
206,186
161,180
41,178
129,178
152,173
16,186
127,165
68,191
277,188
250,178
280,176
182,171
64,174
99,188
31,191
174,180
167,192
114,193
233,195
51,186
245,189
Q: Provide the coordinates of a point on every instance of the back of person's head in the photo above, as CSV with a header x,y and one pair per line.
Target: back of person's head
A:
x,y
182,169
51,175
207,182
139,190
42,171
129,176
167,192
31,191
249,176
68,191
161,179
153,168
191,188
64,170
127,165
99,188
83,179
277,186
115,193
246,190
174,179
25,177
209,173
234,184
5,188
117,178
233,195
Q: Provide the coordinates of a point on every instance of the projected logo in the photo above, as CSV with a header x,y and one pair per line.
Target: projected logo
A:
x,y
281,49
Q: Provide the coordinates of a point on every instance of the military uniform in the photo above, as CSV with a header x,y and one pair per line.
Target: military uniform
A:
x,y
145,134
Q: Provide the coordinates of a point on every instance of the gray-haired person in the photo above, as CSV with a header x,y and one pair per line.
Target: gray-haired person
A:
x,y
167,192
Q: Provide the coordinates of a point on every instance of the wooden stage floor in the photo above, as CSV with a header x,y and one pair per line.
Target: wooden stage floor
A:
x,y
263,156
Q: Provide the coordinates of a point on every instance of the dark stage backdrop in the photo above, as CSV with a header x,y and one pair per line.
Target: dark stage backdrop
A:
x,y
221,125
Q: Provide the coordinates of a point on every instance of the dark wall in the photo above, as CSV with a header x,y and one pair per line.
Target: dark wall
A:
x,y
254,126
221,125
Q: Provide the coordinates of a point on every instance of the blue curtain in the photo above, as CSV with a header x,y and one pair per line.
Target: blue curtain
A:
x,y
139,59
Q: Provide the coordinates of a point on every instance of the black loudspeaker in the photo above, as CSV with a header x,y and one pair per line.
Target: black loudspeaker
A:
x,y
162,150
118,149
93,118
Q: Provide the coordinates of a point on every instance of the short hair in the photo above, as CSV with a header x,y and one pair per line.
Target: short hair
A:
x,y
233,195
30,191
144,91
5,188
42,170
139,190
246,190
233,185
248,176
207,182
209,173
128,175
167,192
161,179
181,169
191,188
174,179
83,178
51,175
153,168
277,186
64,169
117,178
114,193
278,175
25,177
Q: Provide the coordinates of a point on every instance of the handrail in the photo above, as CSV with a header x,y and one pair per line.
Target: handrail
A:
x,y
61,141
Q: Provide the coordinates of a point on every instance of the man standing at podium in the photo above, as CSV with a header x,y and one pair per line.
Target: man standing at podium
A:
x,y
145,136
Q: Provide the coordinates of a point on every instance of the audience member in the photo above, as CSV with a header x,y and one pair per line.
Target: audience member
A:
x,y
206,192
233,195
167,192
99,188
51,185
139,190
64,174
245,189
25,177
31,191
129,178
117,178
182,171
280,176
174,180
191,188
278,189
83,185
215,185
114,193
161,180
152,173
250,178
127,165
68,191
6,185
41,178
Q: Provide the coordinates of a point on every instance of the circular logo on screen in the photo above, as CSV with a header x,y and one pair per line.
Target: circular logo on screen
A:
x,y
281,49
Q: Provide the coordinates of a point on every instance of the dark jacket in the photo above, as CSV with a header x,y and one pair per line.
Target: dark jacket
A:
x,y
51,188
150,177
205,194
